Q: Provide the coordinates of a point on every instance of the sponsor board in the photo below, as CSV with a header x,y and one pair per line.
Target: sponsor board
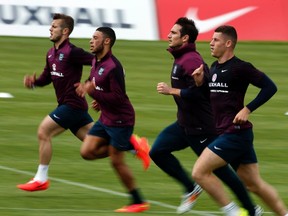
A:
x,y
129,18
253,19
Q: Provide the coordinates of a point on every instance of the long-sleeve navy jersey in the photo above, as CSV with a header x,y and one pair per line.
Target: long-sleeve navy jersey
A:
x,y
64,68
228,84
194,111
110,92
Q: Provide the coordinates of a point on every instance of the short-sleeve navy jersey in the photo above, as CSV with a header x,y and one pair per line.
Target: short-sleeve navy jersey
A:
x,y
110,92
64,69
193,107
228,84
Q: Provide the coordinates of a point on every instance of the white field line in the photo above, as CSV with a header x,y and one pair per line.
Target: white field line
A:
x,y
104,190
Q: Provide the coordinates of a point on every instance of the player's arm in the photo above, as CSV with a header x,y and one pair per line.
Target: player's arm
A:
x,y
164,88
30,81
80,56
268,89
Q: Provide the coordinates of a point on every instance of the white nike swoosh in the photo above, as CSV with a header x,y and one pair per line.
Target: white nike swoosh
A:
x,y
56,116
217,148
211,23
202,141
223,71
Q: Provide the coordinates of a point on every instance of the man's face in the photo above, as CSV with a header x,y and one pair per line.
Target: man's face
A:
x,y
174,37
56,31
218,45
97,42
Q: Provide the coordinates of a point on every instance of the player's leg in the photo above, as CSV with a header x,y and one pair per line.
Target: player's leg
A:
x,y
138,204
94,147
46,130
202,173
249,173
119,143
95,144
83,131
231,179
81,124
171,139
225,173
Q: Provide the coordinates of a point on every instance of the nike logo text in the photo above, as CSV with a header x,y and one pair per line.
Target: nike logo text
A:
x,y
211,23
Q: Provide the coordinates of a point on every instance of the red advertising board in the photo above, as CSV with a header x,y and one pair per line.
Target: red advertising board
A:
x,y
265,20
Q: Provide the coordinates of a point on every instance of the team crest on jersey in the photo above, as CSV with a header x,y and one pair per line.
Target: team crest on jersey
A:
x,y
100,71
214,77
61,56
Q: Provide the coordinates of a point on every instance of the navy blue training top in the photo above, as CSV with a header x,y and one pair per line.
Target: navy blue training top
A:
x,y
64,68
228,84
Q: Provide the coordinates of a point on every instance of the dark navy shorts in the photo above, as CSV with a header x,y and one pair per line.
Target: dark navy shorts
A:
x,y
235,148
118,137
70,118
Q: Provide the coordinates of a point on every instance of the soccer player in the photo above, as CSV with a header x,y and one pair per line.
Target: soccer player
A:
x,y
194,126
64,64
229,80
110,135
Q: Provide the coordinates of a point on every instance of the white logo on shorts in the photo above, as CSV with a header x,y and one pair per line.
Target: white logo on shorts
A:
x,y
217,148
202,141
55,116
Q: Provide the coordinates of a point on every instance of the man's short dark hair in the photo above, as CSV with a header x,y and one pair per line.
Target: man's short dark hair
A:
x,y
108,33
188,28
68,21
229,31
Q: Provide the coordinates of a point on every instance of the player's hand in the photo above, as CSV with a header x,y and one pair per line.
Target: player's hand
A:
x,y
80,89
29,80
198,75
242,116
83,88
90,86
95,105
163,88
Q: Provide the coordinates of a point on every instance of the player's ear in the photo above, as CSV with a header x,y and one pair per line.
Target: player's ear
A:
x,y
107,41
228,43
65,31
185,38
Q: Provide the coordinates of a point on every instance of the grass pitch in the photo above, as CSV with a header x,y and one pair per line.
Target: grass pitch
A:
x,y
80,187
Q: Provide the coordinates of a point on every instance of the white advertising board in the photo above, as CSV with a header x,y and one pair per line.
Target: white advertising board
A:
x,y
131,19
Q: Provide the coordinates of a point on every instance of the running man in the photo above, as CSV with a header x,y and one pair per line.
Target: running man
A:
x,y
64,64
194,126
111,134
229,80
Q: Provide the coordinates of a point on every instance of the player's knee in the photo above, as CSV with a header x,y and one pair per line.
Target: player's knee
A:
x,y
196,175
155,154
42,135
86,155
152,154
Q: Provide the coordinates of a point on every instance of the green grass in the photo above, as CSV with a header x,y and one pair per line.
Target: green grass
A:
x,y
146,63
